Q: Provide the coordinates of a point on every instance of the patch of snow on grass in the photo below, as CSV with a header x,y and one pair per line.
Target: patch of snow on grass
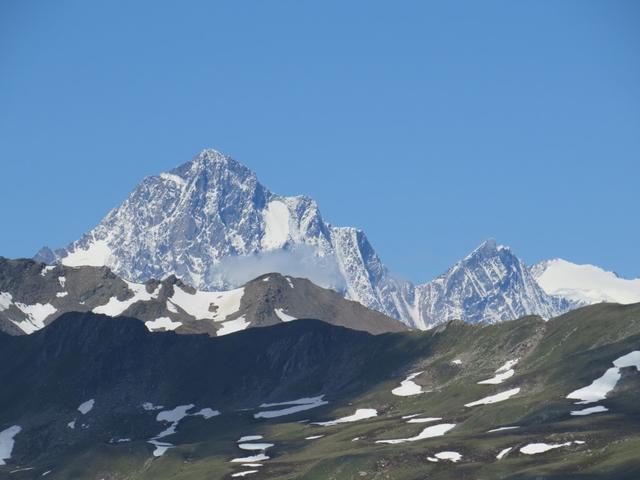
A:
x,y
360,414
500,429
314,437
499,397
535,448
283,316
408,387
253,458
424,420
250,438
600,387
451,456
86,407
429,432
501,374
503,453
457,361
590,410
299,405
244,473
7,441
254,446
162,323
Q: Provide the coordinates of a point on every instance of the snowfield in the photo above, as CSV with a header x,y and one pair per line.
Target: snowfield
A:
x,y
429,432
298,405
360,414
7,441
408,387
500,397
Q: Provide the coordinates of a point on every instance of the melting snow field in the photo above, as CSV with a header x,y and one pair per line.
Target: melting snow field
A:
x,y
501,429
174,417
600,387
429,432
535,448
198,304
424,420
451,456
360,414
250,438
36,314
314,437
232,326
590,410
86,407
244,473
283,316
7,442
162,323
501,374
503,453
408,387
95,255
298,405
500,397
253,458
115,307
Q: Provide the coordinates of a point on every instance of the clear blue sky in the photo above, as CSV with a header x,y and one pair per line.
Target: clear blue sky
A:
x,y
430,125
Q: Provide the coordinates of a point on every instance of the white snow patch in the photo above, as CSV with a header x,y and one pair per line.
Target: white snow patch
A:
x,y
254,446
5,301
253,458
314,437
494,398
424,420
96,255
199,303
36,314
62,294
232,326
360,414
244,473
451,456
46,269
298,405
72,425
408,387
503,453
7,441
590,410
276,225
600,387
501,429
206,413
179,181
62,281
411,416
456,361
429,432
250,438
283,316
86,407
115,307
148,406
171,307
162,323
535,448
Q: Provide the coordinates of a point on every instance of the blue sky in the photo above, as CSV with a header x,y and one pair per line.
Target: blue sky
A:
x,y
430,125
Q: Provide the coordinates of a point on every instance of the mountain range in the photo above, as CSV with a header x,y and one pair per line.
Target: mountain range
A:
x,y
213,225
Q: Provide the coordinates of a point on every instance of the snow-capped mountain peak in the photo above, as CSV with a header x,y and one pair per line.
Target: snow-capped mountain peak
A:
x,y
215,226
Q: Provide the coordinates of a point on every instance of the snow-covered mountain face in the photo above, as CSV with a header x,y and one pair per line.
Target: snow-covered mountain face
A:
x,y
489,285
584,284
212,224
